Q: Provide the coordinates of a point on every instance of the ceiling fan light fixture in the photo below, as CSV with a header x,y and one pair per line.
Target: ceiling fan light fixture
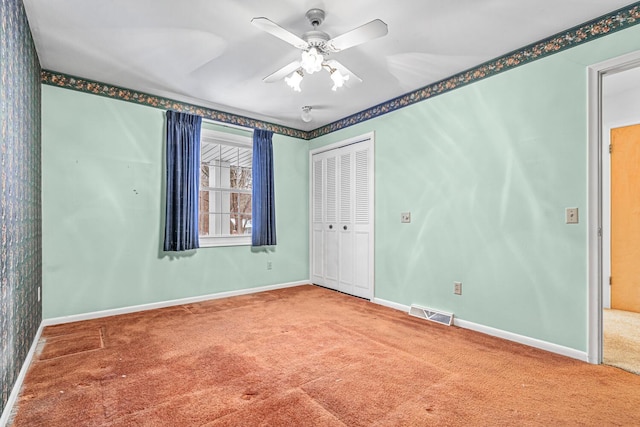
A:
x,y
315,44
294,80
338,79
306,114
311,60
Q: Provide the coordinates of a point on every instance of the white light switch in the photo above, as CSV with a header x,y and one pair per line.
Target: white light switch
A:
x,y
572,215
405,217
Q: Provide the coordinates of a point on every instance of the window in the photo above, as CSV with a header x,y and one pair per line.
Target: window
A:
x,y
225,189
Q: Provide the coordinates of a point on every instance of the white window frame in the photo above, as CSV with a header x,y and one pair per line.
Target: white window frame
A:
x,y
209,135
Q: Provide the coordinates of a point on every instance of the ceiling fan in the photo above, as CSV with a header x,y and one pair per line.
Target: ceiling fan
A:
x,y
316,45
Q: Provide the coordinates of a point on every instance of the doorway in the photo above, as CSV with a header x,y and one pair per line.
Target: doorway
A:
x,y
614,283
625,218
621,315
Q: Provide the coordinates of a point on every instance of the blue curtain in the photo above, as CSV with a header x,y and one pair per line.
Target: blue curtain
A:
x,y
183,174
263,209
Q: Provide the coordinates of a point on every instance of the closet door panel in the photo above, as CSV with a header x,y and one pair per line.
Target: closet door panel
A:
x,y
332,258
362,265
363,224
331,252
317,232
345,191
317,268
347,262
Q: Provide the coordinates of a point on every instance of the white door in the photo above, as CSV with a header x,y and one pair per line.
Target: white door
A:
x,y
363,222
317,221
342,218
331,255
345,223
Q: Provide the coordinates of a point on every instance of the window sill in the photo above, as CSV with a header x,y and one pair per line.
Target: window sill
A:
x,y
214,242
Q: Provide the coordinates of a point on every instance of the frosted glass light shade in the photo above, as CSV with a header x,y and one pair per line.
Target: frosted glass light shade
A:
x,y
306,114
311,60
338,79
294,81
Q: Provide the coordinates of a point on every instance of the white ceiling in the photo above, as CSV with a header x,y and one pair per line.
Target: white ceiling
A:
x,y
208,53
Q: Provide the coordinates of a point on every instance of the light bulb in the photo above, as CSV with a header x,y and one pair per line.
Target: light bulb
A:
x,y
311,60
338,79
294,80
306,114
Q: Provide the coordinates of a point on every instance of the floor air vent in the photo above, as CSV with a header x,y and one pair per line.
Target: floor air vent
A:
x,y
437,316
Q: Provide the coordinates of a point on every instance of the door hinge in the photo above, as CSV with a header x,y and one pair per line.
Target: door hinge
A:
x,y
610,281
610,148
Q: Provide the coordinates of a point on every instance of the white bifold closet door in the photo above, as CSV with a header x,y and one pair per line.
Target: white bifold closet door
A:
x,y
342,219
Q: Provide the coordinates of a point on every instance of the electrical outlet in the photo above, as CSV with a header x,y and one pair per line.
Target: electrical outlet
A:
x,y
405,217
457,288
572,215
269,265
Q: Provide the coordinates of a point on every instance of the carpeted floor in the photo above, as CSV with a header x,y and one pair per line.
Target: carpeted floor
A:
x,y
622,340
307,356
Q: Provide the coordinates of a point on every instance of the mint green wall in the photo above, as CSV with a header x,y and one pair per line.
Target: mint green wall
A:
x,y
487,172
102,175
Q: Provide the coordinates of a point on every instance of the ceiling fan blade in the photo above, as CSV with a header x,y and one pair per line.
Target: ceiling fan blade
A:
x,y
282,72
344,70
276,30
363,33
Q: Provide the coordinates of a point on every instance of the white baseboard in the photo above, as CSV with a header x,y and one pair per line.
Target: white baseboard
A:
x,y
169,303
510,336
391,304
15,391
522,339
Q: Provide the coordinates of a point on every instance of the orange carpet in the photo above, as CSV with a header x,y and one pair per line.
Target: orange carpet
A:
x,y
307,356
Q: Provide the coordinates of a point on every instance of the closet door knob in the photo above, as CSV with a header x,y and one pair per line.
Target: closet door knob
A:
x,y
345,227
330,226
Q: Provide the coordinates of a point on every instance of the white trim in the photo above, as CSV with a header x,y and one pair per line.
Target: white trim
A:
x,y
522,339
210,136
169,303
214,242
499,333
594,214
340,144
17,386
595,197
391,304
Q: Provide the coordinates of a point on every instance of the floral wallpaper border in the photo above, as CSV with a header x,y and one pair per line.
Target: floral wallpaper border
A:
x,y
607,24
89,86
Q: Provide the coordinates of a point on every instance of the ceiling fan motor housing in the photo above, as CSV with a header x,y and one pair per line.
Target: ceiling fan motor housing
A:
x,y
316,38
315,16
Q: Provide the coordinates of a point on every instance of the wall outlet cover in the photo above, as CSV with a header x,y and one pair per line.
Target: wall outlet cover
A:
x,y
405,217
